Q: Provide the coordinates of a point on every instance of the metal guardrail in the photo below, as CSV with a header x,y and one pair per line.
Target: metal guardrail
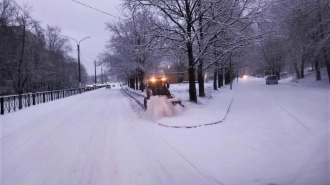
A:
x,y
16,102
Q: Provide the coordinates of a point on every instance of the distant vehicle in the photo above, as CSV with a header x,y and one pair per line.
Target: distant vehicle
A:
x,y
271,80
89,88
108,86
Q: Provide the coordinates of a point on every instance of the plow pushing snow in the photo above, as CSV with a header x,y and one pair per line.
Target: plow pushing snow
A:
x,y
159,102
157,86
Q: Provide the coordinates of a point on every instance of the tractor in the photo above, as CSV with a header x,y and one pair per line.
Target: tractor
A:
x,y
158,86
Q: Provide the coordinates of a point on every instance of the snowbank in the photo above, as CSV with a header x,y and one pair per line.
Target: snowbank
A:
x,y
273,134
159,107
211,111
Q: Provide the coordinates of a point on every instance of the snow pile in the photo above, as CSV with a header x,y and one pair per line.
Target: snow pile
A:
x,y
160,106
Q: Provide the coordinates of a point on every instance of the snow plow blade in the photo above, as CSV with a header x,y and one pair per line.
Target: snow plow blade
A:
x,y
175,101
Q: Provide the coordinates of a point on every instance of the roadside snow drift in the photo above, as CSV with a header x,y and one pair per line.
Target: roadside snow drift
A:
x,y
159,107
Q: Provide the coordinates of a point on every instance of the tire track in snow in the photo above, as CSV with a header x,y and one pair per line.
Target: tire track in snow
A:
x,y
207,177
210,179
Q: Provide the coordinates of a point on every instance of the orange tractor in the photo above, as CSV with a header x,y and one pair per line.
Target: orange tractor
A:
x,y
158,86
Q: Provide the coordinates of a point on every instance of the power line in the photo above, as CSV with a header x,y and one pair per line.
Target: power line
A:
x,y
20,8
86,61
96,9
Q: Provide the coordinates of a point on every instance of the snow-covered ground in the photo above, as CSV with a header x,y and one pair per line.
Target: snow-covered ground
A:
x,y
181,91
272,135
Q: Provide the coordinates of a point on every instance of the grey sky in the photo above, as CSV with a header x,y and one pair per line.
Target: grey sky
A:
x,y
78,22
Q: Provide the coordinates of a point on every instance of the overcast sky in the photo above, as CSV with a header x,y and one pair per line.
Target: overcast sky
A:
x,y
78,22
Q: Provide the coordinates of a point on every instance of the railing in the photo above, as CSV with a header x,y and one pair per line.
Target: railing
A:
x,y
17,102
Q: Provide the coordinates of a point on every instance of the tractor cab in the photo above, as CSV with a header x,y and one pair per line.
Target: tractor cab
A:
x,y
158,86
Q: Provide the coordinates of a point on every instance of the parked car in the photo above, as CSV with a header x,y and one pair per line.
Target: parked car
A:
x,y
88,88
271,80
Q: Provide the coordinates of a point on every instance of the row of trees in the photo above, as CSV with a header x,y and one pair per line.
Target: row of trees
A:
x,y
298,36
219,36
205,34
33,58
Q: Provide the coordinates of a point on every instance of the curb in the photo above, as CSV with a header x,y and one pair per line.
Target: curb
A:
x,y
136,101
207,124
135,93
188,127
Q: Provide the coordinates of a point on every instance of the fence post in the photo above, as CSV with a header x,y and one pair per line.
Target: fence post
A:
x,y
63,94
14,103
34,99
51,95
29,99
20,103
44,97
2,102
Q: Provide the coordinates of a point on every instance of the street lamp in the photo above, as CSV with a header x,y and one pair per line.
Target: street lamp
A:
x,y
78,47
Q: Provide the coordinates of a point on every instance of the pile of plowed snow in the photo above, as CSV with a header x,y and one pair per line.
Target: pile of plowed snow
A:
x,y
159,106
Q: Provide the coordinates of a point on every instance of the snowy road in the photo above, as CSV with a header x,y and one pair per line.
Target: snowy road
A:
x,y
273,135
93,138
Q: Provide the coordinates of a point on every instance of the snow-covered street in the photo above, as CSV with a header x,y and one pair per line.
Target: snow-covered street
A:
x,y
273,135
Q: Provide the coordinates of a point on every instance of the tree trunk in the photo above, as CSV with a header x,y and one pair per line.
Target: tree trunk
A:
x,y
317,69
136,82
227,78
200,66
20,103
326,61
328,71
141,81
215,76
215,83
302,68
230,77
20,85
201,80
220,80
325,53
295,65
278,76
191,72
132,85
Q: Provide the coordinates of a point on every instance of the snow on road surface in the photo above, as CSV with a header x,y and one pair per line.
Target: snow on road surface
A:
x,y
273,135
93,138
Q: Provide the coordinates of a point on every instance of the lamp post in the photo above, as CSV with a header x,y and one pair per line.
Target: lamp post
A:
x,y
78,48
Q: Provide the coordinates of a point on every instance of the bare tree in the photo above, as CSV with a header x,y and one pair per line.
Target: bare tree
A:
x,y
135,50
195,25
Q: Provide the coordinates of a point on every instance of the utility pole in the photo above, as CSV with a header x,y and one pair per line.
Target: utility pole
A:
x,y
101,76
230,72
95,72
79,75
78,48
